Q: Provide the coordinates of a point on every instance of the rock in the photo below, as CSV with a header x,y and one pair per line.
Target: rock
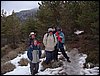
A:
x,y
23,62
7,67
61,57
57,64
46,65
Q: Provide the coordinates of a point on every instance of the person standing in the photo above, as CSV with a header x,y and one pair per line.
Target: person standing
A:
x,y
60,44
34,53
49,42
55,49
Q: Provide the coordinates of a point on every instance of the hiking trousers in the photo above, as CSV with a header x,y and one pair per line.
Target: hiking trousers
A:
x,y
49,56
56,53
34,68
61,47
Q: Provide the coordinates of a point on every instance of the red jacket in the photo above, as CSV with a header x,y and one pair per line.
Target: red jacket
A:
x,y
58,37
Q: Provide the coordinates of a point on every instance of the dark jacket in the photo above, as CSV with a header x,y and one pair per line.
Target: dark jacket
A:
x,y
30,49
30,41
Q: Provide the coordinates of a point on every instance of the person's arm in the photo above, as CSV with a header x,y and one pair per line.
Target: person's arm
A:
x,y
55,39
39,52
29,53
29,42
62,37
39,48
44,39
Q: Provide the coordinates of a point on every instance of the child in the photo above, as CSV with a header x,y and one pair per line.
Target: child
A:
x,y
34,53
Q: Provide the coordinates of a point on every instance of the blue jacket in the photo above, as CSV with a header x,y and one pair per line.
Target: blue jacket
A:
x,y
61,34
60,44
30,49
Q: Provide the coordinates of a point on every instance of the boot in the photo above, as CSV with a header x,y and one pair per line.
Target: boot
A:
x,y
68,60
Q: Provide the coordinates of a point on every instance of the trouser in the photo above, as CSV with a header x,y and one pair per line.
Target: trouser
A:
x,y
34,68
61,47
49,56
64,53
56,53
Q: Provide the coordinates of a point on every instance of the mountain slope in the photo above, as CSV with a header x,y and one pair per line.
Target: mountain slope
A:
x,y
24,14
69,68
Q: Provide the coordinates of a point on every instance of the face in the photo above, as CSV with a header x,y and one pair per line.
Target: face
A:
x,y
51,33
58,31
35,42
33,36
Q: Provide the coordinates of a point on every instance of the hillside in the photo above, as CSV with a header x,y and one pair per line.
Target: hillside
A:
x,y
24,14
73,68
79,21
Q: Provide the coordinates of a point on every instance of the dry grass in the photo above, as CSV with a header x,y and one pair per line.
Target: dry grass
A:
x,y
9,56
46,65
7,68
23,62
5,50
87,44
9,53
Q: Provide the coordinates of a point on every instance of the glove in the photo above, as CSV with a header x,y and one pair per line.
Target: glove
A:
x,y
57,34
59,39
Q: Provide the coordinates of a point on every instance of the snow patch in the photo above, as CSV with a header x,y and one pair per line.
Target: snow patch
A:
x,y
78,32
72,68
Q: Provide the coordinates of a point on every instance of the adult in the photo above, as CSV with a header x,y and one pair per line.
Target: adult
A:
x,y
60,44
49,42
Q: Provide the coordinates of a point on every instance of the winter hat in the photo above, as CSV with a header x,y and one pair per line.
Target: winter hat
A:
x,y
32,33
58,29
50,29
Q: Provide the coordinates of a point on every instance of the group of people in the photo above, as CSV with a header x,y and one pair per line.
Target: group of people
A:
x,y
53,41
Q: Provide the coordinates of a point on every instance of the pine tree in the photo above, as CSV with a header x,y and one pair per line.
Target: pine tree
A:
x,y
13,31
88,19
28,26
3,30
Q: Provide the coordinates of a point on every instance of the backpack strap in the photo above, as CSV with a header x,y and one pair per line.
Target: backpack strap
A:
x,y
54,37
47,37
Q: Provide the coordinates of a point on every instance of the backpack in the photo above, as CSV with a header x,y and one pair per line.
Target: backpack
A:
x,y
47,37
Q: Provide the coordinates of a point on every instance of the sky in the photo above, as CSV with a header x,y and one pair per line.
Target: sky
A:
x,y
17,6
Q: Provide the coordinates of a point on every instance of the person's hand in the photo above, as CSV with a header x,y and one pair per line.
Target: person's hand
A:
x,y
59,39
57,34
31,46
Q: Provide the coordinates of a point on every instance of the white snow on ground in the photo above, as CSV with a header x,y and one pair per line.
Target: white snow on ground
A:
x,y
17,59
20,70
25,70
78,32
